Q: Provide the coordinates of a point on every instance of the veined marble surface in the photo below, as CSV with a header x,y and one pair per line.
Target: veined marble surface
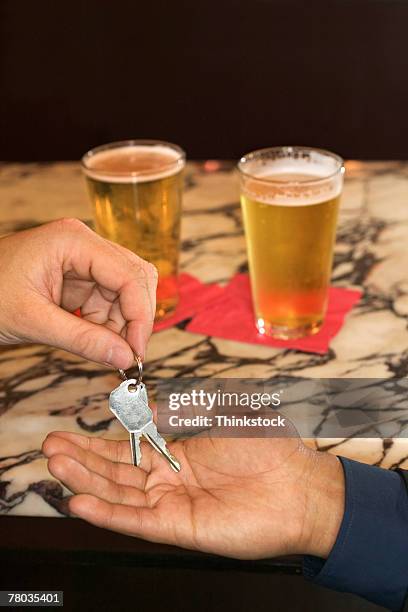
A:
x,y
43,389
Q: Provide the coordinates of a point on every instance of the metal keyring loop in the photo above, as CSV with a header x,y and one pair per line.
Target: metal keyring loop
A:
x,y
139,362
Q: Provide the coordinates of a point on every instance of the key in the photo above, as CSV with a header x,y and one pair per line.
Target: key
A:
x,y
129,404
134,444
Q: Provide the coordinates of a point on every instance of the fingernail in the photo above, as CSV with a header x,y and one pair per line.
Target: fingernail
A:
x,y
119,356
139,342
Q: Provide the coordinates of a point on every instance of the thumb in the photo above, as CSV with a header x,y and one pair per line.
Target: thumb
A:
x,y
64,330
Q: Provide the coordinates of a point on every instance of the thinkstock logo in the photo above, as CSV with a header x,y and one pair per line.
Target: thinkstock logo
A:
x,y
284,406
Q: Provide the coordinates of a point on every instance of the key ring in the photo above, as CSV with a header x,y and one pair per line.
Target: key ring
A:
x,y
139,362
140,366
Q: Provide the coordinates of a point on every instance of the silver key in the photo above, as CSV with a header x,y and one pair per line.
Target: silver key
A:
x,y
129,404
134,442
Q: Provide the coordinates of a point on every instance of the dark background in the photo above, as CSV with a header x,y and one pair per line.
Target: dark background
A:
x,y
102,571
218,77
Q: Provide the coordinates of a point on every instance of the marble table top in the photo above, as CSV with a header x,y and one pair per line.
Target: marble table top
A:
x,y
44,389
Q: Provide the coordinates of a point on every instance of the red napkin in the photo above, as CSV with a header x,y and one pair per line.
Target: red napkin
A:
x,y
193,297
231,316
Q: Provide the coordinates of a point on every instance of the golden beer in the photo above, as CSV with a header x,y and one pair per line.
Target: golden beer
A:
x,y
290,199
136,190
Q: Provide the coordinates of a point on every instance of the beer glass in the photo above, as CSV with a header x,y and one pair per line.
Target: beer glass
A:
x,y
136,190
290,199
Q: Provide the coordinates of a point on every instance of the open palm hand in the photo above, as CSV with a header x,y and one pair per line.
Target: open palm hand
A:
x,y
244,498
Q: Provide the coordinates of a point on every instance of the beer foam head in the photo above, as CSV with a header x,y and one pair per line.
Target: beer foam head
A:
x,y
291,176
133,163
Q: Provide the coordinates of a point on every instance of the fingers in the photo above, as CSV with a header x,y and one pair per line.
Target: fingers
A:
x,y
137,298
55,326
80,479
137,333
107,457
71,252
119,270
142,522
101,306
117,503
114,450
121,473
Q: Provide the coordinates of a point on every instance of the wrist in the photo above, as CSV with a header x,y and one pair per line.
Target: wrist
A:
x,y
324,507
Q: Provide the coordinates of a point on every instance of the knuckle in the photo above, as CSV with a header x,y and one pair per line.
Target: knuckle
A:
x,y
147,269
141,267
137,268
152,271
85,341
69,224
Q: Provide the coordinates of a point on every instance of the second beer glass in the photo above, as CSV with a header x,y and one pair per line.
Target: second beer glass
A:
x,y
136,189
290,198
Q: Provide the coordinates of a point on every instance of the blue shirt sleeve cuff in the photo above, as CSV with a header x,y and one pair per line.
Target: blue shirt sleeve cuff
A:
x,y
370,555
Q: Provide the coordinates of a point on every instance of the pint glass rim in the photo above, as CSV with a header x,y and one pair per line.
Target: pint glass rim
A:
x,y
177,164
289,149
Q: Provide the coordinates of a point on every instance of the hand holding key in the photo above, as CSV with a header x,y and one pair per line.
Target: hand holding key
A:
x,y
244,498
62,266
